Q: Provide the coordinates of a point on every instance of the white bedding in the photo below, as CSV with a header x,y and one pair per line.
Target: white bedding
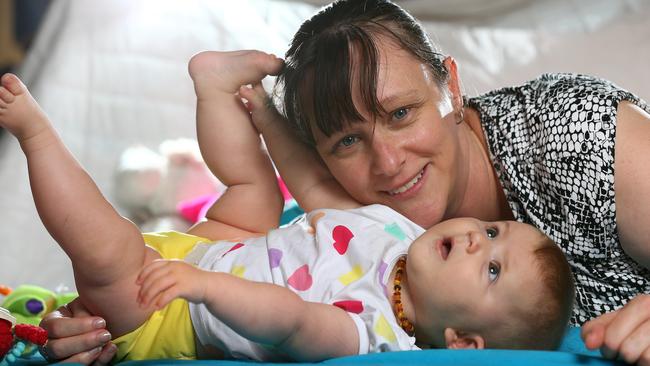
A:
x,y
112,73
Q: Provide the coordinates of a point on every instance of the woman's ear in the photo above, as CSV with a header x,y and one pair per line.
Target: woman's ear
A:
x,y
454,83
455,339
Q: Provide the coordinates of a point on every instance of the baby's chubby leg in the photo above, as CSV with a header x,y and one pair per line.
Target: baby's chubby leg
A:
x,y
106,250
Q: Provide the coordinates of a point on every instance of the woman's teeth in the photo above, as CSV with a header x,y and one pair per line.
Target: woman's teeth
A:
x,y
408,185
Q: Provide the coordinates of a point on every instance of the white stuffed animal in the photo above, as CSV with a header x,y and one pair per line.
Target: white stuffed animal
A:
x,y
150,185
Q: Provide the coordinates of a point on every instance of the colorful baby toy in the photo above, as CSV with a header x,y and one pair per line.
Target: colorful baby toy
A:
x,y
16,339
28,303
21,312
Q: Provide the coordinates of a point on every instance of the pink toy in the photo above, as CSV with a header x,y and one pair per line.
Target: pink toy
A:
x,y
194,209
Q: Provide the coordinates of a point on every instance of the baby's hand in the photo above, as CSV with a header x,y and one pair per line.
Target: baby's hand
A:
x,y
163,280
259,104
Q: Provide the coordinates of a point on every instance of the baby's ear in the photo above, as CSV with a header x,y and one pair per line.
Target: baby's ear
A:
x,y
455,339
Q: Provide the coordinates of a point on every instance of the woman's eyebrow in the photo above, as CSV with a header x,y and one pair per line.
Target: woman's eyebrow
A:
x,y
391,98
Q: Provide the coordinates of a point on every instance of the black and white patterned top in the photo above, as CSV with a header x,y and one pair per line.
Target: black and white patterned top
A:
x,y
551,142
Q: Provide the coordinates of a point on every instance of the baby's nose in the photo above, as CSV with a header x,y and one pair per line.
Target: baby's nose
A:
x,y
474,242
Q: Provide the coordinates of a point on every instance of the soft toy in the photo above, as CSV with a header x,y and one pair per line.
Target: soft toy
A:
x,y
28,304
194,209
17,340
149,185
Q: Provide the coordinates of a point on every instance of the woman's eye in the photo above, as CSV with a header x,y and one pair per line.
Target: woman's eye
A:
x,y
494,269
400,113
492,232
346,142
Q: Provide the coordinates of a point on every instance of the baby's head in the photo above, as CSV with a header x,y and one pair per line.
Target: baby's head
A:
x,y
476,284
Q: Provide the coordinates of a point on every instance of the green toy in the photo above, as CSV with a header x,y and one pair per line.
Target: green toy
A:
x,y
28,303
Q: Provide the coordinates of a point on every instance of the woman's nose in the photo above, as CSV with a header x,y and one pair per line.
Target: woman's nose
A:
x,y
475,242
387,157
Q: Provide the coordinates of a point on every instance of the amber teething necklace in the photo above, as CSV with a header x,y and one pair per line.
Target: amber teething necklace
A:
x,y
397,298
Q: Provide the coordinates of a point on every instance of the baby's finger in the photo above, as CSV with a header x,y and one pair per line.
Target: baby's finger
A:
x,y
166,297
253,100
151,289
153,266
276,65
159,270
156,275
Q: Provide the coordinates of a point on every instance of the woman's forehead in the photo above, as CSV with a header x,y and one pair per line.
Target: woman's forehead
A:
x,y
371,81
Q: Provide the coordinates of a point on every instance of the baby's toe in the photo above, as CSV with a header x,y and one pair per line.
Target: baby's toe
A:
x,y
11,83
274,64
6,96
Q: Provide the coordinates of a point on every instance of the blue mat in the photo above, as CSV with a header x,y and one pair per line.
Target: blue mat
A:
x,y
571,352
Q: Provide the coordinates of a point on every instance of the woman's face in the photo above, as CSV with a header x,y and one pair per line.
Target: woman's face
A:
x,y
409,159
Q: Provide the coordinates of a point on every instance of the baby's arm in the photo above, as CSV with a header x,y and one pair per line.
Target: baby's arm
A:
x,y
264,313
231,146
308,179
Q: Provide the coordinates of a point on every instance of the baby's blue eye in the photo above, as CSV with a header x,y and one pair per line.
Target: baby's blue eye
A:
x,y
400,113
494,269
492,232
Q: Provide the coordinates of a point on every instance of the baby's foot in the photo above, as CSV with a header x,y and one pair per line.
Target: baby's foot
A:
x,y
226,71
263,112
19,112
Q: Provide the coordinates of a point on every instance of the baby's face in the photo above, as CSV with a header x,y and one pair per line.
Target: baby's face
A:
x,y
469,274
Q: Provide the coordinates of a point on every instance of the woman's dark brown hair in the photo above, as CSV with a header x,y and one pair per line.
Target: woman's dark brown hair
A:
x,y
317,78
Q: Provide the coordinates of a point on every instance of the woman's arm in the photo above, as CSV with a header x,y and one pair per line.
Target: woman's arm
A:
x,y
632,181
625,333
262,312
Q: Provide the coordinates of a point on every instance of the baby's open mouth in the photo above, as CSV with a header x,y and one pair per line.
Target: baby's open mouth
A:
x,y
444,247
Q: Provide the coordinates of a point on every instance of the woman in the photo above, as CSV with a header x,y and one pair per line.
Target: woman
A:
x,y
542,153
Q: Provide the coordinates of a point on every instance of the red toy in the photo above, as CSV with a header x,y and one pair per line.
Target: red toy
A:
x,y
13,335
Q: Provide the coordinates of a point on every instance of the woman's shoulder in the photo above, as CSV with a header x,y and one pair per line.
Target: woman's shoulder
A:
x,y
551,97
569,87
555,88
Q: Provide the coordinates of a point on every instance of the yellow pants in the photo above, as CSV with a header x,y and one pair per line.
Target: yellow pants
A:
x,y
168,333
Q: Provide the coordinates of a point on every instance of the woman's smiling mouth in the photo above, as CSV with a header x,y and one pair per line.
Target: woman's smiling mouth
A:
x,y
410,184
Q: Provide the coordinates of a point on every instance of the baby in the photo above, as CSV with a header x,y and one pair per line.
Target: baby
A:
x,y
342,280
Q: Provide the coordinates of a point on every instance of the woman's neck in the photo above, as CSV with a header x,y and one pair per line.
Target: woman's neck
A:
x,y
483,195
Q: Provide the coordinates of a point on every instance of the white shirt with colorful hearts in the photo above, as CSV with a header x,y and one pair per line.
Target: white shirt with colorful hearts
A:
x,y
339,257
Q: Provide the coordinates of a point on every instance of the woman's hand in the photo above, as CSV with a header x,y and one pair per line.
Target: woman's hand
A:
x,y
624,333
75,335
